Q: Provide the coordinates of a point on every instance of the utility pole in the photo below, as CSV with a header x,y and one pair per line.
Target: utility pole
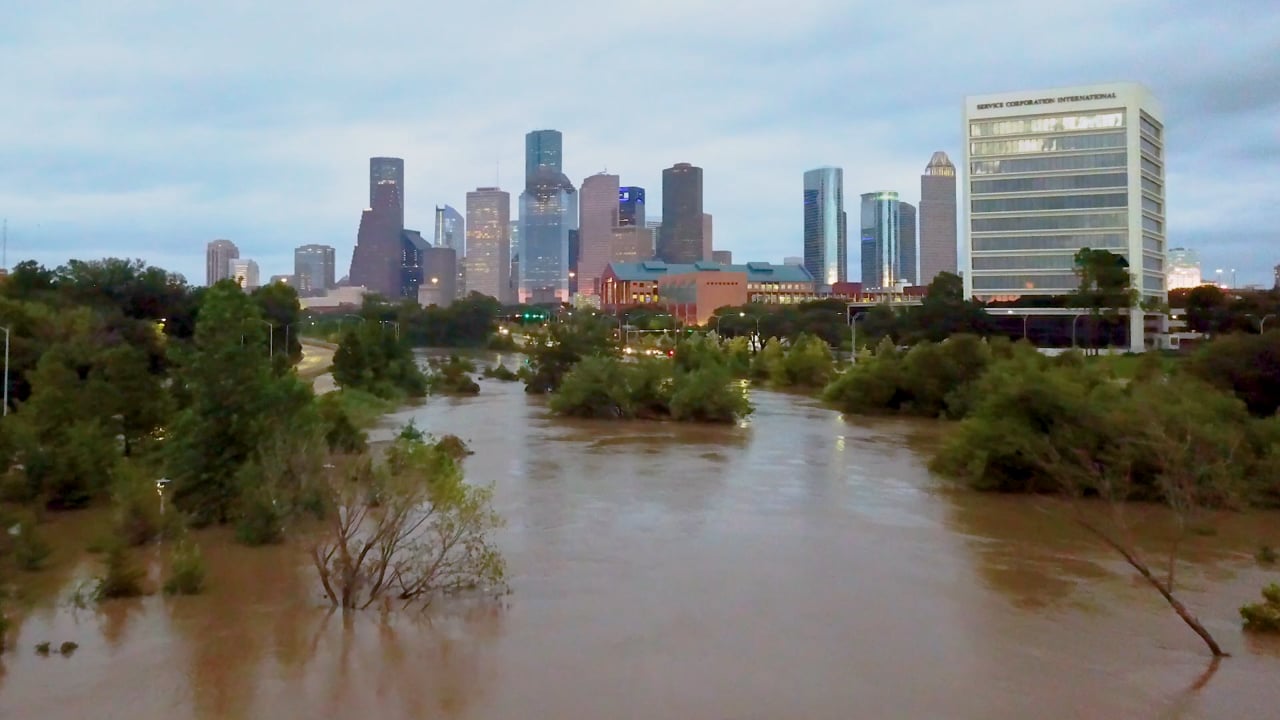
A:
x,y
4,240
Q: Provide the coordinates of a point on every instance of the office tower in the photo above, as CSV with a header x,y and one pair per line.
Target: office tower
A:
x,y
314,269
377,259
439,267
542,149
1277,283
722,257
631,206
680,236
387,171
631,243
706,236
937,218
217,260
450,229
880,241
1054,171
907,248
1184,269
414,251
546,208
488,261
244,272
826,239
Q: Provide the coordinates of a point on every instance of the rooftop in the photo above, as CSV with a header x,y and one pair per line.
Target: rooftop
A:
x,y
755,271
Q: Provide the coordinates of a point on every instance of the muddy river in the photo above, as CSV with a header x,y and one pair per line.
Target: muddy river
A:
x,y
803,565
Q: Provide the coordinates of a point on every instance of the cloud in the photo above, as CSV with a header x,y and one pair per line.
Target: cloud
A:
x,y
140,128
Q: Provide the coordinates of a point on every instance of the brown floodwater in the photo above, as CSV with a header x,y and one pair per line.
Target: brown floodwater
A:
x,y
801,566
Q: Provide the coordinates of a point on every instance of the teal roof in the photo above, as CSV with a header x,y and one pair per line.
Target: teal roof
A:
x,y
652,270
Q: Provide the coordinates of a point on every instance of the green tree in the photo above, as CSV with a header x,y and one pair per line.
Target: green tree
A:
x,y
1105,285
279,306
553,355
944,311
235,404
1246,365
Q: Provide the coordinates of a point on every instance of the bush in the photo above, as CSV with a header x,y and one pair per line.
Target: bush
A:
x,y
451,378
596,387
186,570
260,520
1246,365
341,432
929,380
137,518
500,372
1264,616
122,578
708,395
30,551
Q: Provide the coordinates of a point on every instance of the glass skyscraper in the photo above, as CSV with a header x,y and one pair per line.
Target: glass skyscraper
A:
x,y
543,148
681,234
881,254
389,171
908,249
1054,171
826,239
630,206
314,269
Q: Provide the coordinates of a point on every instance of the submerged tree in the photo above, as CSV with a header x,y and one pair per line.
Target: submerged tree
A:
x,y
408,529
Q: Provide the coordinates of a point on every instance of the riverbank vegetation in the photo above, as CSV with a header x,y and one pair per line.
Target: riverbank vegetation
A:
x,y
178,407
1264,616
451,376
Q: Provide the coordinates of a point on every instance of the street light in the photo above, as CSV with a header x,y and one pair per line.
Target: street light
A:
x,y
1025,317
853,339
1073,328
161,484
393,323
271,337
6,371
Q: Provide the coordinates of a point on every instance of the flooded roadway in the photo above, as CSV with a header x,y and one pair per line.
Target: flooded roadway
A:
x,y
803,566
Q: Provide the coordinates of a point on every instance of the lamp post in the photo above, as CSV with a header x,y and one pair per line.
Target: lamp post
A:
x,y
1073,328
853,338
271,337
161,484
1025,317
393,323
6,370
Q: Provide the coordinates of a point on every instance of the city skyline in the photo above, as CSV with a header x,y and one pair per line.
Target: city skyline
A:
x,y
158,172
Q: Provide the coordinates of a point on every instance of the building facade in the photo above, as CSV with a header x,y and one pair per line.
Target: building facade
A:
x,y
826,240
377,259
314,269
693,291
937,219
387,171
546,206
908,249
244,272
881,254
1054,171
217,260
543,149
450,230
722,257
488,260
599,212
437,287
1184,269
631,206
680,236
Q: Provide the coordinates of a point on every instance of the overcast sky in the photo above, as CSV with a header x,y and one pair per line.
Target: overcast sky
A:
x,y
147,128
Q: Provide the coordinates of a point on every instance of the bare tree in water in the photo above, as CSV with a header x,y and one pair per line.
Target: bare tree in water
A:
x,y
409,529
1186,464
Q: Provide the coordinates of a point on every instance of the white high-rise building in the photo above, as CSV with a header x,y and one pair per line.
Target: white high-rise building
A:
x,y
245,272
1184,269
1048,172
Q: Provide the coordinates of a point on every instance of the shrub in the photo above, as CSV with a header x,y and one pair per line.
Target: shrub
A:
x,y
501,372
596,387
1264,616
260,520
186,570
30,551
707,395
68,647
122,577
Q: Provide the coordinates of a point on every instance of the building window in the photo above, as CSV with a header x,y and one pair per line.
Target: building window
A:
x,y
1050,222
1150,223
1047,145
1063,123
1152,206
1150,148
1150,167
1094,161
1153,282
1152,263
1025,262
1053,182
1152,186
1149,126
1022,283
1050,242
1051,202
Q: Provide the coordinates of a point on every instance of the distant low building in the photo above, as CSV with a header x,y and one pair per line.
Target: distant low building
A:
x,y
722,257
283,280
335,299
693,291
244,272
